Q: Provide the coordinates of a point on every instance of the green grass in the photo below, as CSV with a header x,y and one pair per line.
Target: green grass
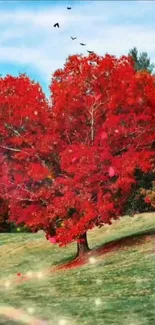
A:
x,y
122,282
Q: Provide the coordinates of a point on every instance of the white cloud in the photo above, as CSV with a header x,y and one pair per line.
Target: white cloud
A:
x,y
28,37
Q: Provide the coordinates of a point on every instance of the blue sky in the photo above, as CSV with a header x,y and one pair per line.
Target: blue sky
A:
x,y
29,43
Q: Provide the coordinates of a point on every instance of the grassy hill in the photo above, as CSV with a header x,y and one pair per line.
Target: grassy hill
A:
x,y
115,289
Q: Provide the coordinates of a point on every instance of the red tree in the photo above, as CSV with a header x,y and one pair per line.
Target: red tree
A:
x,y
101,131
24,142
104,116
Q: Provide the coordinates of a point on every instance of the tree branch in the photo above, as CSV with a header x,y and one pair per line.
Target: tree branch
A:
x,y
12,149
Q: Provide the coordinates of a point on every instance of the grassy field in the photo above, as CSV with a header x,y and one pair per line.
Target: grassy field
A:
x,y
115,289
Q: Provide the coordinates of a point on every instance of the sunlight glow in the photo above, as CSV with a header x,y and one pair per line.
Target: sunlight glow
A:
x,y
62,322
92,260
39,275
98,302
29,274
7,284
30,310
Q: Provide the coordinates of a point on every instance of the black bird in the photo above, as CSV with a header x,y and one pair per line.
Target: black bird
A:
x,y
82,44
56,25
90,52
69,8
73,38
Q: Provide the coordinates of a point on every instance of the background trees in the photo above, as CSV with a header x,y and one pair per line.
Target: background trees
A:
x,y
141,61
144,181
23,119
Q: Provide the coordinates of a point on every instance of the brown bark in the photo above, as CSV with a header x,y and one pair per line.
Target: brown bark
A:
x,y
4,227
4,215
82,248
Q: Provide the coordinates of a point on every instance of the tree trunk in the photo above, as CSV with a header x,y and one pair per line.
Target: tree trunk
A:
x,y
82,247
4,215
4,227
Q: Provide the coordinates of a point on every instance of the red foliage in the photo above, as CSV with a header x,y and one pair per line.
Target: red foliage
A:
x,y
99,131
23,152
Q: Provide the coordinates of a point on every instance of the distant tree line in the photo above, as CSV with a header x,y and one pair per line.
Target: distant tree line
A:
x,y
141,61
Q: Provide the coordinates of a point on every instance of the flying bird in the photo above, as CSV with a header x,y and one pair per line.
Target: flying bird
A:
x,y
73,38
69,8
90,52
82,44
56,25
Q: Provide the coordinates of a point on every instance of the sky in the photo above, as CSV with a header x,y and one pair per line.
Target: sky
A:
x,y
30,44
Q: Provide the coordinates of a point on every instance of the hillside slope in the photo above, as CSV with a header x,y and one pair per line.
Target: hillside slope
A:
x,y
115,289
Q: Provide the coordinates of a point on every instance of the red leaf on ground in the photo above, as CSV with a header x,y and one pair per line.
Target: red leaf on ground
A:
x,y
52,240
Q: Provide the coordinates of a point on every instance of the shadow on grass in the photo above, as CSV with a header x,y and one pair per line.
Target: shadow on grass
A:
x,y
65,260
117,244
125,242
